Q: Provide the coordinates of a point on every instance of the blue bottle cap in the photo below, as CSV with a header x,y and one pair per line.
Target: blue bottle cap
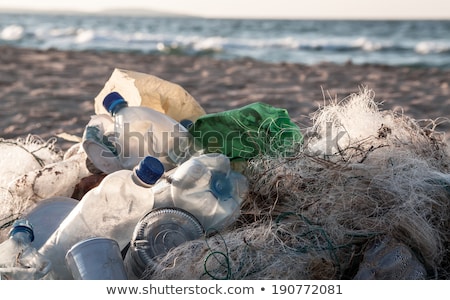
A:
x,y
149,170
186,123
112,100
22,225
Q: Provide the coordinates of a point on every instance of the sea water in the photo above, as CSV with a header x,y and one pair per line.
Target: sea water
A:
x,y
397,43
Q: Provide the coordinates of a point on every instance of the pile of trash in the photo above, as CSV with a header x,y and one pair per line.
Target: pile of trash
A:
x,y
156,188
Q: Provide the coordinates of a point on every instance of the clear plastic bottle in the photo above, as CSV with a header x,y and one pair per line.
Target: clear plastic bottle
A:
x,y
18,258
110,210
47,215
141,131
206,187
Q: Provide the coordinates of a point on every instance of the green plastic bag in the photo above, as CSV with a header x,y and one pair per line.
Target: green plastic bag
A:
x,y
246,132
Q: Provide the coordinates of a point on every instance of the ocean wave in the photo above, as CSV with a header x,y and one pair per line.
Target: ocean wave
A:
x,y
12,33
85,36
432,47
276,40
90,38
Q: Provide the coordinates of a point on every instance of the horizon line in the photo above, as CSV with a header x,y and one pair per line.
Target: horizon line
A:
x,y
158,13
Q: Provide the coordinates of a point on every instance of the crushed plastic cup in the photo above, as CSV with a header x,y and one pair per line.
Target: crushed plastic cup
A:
x,y
96,259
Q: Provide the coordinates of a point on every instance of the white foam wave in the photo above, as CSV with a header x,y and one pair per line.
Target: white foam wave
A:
x,y
430,47
84,36
369,45
12,33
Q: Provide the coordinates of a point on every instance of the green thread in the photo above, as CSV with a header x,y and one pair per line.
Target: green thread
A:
x,y
222,257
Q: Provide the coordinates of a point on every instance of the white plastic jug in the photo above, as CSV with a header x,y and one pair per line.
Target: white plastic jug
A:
x,y
110,210
206,187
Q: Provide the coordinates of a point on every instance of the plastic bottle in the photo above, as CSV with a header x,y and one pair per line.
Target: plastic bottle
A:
x,y
206,187
141,131
155,234
110,210
47,215
97,145
18,258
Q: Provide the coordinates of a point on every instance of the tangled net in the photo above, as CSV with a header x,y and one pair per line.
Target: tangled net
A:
x,y
17,157
368,192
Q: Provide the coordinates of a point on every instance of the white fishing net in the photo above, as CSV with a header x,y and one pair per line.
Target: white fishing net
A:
x,y
18,157
362,175
34,170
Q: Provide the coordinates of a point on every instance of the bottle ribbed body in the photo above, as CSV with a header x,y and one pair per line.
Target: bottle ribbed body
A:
x,y
206,187
110,210
141,131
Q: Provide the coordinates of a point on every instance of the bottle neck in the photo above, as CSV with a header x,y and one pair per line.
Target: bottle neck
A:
x,y
22,237
139,181
220,186
118,107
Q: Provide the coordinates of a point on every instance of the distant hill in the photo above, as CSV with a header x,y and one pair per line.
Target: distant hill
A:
x,y
139,12
107,12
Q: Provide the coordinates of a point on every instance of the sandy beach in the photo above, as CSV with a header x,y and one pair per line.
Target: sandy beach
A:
x,y
50,92
47,93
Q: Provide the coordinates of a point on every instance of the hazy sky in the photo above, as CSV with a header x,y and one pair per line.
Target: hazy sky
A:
x,y
259,8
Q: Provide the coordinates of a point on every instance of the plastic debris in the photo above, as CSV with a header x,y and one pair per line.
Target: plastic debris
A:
x,y
137,132
206,187
18,258
96,258
248,131
17,158
46,217
388,259
141,89
159,231
363,194
110,210
54,179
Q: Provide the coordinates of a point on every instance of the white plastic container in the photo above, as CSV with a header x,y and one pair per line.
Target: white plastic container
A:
x,y
206,187
141,131
110,210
